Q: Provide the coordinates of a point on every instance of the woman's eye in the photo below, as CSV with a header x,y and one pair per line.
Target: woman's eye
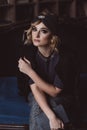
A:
x,y
44,31
34,29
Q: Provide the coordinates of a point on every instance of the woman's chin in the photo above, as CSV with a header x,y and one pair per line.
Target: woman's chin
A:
x,y
35,43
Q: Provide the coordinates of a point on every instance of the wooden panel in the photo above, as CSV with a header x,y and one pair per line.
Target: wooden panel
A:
x,y
13,127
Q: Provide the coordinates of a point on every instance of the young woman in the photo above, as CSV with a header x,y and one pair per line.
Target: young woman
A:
x,y
44,81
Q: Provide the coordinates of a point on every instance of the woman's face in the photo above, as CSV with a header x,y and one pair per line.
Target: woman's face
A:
x,y
41,35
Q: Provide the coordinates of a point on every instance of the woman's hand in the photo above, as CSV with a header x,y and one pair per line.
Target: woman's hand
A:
x,y
24,65
56,124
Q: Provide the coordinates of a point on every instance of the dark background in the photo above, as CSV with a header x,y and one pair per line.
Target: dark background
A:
x,y
72,34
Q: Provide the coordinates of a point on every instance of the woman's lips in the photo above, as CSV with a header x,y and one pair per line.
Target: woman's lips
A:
x,y
36,40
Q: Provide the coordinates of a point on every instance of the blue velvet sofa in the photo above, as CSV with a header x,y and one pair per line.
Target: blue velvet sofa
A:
x,y
14,110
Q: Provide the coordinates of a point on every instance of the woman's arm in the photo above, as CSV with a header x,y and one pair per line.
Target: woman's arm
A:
x,y
40,97
25,67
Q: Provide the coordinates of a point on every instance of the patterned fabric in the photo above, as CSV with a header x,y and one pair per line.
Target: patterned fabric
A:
x,y
38,120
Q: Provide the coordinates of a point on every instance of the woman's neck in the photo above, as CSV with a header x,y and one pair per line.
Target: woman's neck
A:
x,y
45,51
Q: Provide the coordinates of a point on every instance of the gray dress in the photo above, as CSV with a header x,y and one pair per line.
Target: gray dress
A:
x,y
46,70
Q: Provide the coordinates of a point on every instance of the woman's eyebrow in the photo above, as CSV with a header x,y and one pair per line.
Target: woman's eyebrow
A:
x,y
45,28
42,28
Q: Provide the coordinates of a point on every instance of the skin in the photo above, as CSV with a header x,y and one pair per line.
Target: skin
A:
x,y
41,37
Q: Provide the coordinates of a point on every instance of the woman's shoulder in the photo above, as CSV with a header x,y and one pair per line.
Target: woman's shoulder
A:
x,y
68,60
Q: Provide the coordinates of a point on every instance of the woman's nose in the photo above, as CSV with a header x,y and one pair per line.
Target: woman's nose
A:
x,y
38,34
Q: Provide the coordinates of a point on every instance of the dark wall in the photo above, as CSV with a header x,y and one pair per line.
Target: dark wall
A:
x,y
9,49
74,36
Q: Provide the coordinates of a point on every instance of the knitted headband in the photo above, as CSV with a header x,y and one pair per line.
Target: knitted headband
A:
x,y
50,21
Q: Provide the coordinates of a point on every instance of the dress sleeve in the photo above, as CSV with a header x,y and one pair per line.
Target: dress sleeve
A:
x,y
57,82
31,82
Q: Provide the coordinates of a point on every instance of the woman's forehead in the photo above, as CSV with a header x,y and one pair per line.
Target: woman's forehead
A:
x,y
40,25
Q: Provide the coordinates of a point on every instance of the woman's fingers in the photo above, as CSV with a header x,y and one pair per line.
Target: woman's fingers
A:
x,y
62,125
26,60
